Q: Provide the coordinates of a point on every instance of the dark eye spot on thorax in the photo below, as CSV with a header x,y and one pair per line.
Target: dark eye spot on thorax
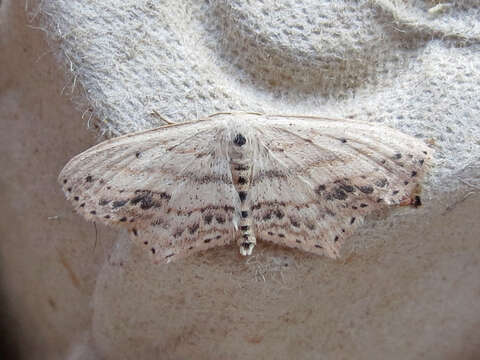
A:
x,y
239,140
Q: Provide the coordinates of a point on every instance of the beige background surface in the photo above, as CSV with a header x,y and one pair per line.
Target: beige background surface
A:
x,y
71,291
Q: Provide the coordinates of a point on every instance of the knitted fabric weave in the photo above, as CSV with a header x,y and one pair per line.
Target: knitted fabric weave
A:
x,y
413,65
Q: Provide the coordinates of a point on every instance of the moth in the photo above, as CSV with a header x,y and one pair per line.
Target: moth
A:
x,y
299,181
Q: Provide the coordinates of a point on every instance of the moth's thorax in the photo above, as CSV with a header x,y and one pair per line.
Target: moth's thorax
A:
x,y
240,143
240,151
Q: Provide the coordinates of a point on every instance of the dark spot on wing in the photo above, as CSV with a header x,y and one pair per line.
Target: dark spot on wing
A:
x,y
104,202
279,214
64,181
343,140
381,183
135,232
152,250
421,161
336,239
138,154
397,156
363,205
367,189
220,219
206,241
239,140
320,188
298,241
82,205
281,235
310,225
208,219
76,198
244,227
339,194
89,178
294,222
319,246
270,233
69,189
169,255
193,228
123,219
405,182
93,212
352,220
178,233
164,195
414,173
107,216
118,203
395,192
346,188
145,200
267,216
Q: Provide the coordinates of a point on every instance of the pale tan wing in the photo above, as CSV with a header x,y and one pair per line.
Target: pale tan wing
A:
x,y
315,180
170,187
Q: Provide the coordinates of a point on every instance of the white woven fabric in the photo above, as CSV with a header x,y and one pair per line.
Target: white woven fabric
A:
x,y
413,65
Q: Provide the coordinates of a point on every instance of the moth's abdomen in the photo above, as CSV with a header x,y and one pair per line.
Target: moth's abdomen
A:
x,y
241,168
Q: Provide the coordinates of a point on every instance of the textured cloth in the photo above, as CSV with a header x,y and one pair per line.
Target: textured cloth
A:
x,y
388,61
